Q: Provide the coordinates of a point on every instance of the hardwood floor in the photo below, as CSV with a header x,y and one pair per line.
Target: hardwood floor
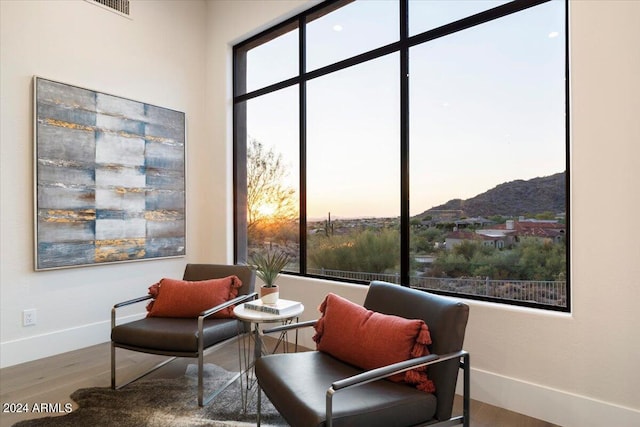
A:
x,y
53,379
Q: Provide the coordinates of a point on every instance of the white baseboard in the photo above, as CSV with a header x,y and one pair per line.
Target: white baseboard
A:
x,y
547,404
56,342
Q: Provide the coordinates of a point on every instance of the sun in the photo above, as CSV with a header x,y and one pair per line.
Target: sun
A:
x,y
267,209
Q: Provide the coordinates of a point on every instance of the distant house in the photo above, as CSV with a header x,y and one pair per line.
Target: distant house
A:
x,y
473,222
457,237
505,235
542,229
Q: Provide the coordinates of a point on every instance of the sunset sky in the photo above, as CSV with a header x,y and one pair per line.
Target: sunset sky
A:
x,y
486,106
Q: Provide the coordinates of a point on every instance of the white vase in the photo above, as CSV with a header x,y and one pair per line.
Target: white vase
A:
x,y
269,295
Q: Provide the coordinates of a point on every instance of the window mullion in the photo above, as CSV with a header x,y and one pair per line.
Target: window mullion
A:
x,y
405,249
302,111
239,156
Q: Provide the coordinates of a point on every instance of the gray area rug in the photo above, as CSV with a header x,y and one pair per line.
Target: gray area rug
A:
x,y
163,403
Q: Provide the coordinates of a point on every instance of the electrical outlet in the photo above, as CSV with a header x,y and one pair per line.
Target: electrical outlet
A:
x,y
29,317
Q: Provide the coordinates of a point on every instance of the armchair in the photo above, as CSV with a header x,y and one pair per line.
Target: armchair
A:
x,y
315,389
182,337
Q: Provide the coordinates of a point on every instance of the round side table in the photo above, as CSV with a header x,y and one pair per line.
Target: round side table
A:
x,y
257,318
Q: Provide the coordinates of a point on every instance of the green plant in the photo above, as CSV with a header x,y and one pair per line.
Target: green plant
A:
x,y
269,266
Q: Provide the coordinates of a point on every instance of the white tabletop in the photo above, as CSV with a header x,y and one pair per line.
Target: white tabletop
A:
x,y
256,316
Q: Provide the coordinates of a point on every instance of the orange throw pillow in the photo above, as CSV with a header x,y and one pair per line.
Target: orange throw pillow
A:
x,y
182,298
369,340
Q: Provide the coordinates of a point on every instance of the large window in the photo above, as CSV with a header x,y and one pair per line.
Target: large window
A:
x,y
418,142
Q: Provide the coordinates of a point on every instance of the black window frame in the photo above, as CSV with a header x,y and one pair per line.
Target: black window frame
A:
x,y
403,45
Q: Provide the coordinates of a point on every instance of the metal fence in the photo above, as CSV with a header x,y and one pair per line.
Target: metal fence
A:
x,y
355,275
535,291
552,293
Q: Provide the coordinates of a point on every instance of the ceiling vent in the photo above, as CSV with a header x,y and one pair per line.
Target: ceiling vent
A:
x,y
121,7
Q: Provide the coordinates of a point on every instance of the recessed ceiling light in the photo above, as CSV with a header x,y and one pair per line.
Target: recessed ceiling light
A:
x,y
337,28
553,34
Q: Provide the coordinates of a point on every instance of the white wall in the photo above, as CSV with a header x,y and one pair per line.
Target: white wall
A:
x,y
577,369
158,58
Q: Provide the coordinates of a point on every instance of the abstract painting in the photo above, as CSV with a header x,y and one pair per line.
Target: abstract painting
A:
x,y
109,178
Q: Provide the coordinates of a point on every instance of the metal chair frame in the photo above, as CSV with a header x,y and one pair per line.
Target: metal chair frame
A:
x,y
447,319
202,400
193,272
387,371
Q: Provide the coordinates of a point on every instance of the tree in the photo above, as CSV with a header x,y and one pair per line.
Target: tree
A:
x,y
423,241
545,215
368,251
542,259
271,204
531,259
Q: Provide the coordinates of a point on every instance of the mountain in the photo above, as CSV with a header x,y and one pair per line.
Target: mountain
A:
x,y
519,197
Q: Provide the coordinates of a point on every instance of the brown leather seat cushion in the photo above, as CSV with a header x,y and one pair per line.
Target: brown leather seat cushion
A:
x,y
297,383
172,334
